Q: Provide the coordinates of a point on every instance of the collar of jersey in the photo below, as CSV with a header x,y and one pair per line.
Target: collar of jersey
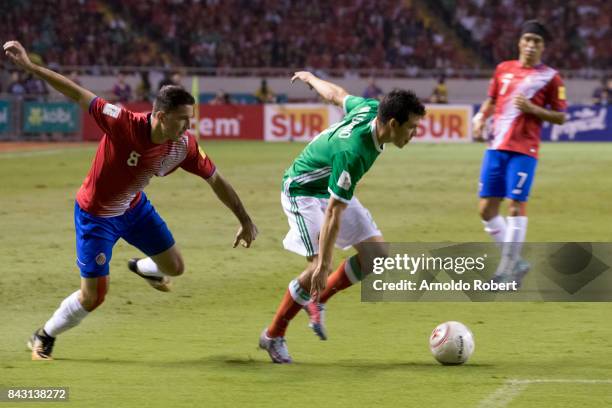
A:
x,y
378,147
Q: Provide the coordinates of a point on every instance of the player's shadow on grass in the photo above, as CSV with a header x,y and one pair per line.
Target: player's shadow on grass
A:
x,y
242,362
234,362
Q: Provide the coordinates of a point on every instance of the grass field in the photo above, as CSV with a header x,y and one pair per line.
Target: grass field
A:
x,y
197,346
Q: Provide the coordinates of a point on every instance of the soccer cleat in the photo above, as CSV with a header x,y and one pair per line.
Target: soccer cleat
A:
x,y
520,270
276,348
41,345
159,281
516,274
316,314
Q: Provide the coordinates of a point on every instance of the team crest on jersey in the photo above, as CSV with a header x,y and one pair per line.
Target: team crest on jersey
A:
x,y
344,181
561,95
201,152
101,259
111,110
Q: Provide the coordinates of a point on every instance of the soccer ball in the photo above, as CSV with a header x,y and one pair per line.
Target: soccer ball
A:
x,y
451,343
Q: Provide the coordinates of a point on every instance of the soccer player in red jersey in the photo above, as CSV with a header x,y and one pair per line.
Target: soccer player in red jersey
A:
x,y
522,94
111,203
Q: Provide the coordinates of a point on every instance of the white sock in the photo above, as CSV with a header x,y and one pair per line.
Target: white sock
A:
x,y
513,242
496,228
69,314
299,295
147,266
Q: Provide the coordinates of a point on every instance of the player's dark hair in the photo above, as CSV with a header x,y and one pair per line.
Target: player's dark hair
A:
x,y
171,97
535,27
398,104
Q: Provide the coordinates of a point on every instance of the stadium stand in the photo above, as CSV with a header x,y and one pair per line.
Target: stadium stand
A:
x,y
343,36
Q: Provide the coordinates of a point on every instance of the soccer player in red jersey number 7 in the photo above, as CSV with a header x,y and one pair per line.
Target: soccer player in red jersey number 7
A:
x,y
317,197
111,203
522,94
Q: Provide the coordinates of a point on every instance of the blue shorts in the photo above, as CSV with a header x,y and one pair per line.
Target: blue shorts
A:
x,y
140,226
507,174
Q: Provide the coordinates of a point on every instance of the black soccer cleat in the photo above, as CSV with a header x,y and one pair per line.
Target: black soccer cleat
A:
x,y
41,345
133,265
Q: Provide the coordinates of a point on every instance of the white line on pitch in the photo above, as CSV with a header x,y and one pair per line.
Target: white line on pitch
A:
x,y
33,153
504,395
562,381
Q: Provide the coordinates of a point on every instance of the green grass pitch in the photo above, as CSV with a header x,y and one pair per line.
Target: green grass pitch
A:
x,y
197,346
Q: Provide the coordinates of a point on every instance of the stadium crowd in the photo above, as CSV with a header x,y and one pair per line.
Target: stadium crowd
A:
x,y
74,32
581,30
344,35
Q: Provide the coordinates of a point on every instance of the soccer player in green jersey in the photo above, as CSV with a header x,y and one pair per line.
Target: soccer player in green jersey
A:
x,y
317,197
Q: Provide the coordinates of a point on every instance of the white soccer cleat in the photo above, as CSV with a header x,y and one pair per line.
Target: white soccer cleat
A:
x,y
276,348
158,281
316,317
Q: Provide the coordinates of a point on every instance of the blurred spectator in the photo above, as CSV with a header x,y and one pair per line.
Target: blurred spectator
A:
x,y
16,86
171,79
143,91
74,77
440,92
4,76
602,95
264,94
372,90
122,91
35,87
221,98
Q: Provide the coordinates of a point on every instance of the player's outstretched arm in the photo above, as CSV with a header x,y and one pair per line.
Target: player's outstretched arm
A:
x,y
327,90
18,55
248,231
327,238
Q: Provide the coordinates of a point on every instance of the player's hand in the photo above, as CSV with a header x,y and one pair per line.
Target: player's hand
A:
x,y
17,54
523,104
318,281
478,124
246,234
303,76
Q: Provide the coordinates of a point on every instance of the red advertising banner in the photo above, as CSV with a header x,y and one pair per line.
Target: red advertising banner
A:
x,y
229,122
300,122
446,123
217,122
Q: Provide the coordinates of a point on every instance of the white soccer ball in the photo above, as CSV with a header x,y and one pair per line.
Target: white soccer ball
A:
x,y
451,343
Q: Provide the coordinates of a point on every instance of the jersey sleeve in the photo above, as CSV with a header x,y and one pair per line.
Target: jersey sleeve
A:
x,y
347,170
112,119
493,85
555,95
350,102
197,162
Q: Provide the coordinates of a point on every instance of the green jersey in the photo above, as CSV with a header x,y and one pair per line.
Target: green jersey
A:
x,y
338,157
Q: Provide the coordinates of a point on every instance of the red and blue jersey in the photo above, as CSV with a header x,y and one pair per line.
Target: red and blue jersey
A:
x,y
127,159
514,130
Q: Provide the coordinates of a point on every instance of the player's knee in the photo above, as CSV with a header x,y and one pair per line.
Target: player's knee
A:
x,y
487,212
516,208
90,301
